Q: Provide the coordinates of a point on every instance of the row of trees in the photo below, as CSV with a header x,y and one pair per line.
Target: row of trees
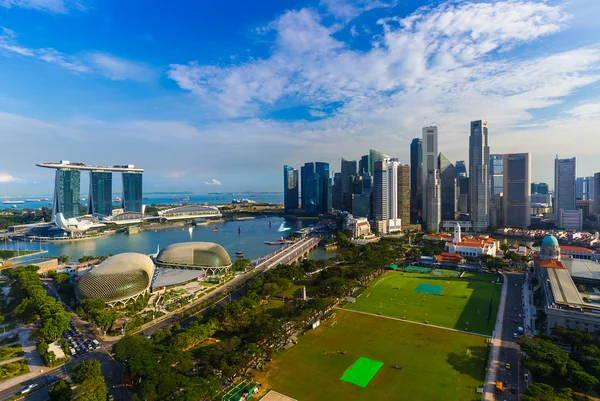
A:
x,y
33,303
578,369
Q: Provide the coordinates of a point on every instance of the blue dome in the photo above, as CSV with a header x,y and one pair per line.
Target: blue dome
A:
x,y
549,240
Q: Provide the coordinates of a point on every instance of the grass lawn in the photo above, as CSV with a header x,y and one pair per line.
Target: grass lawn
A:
x,y
10,353
463,303
434,362
13,369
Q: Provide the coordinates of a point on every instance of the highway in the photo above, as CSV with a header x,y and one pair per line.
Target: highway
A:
x,y
514,383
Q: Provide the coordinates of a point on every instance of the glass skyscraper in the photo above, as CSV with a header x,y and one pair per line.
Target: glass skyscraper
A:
x,y
479,175
416,187
290,188
459,168
448,188
100,194
565,171
316,187
517,190
364,165
66,193
132,192
496,174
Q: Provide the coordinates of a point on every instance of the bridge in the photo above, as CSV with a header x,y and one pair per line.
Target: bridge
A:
x,y
287,254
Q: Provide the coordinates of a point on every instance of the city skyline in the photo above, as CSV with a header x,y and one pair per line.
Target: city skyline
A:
x,y
282,84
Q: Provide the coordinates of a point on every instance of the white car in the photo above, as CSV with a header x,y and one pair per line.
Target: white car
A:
x,y
514,335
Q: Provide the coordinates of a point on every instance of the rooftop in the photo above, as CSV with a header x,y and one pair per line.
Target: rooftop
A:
x,y
80,166
575,249
563,288
581,268
169,277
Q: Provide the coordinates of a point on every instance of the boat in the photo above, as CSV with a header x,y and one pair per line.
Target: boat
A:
x,y
215,229
190,230
117,200
44,199
12,202
239,230
32,200
269,224
239,254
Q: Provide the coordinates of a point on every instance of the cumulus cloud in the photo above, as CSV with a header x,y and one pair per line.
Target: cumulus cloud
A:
x,y
55,6
213,182
6,177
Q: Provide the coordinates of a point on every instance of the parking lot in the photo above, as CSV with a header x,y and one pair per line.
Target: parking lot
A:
x,y
79,344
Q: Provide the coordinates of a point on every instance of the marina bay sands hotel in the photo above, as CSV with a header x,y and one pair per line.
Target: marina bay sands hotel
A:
x,y
67,188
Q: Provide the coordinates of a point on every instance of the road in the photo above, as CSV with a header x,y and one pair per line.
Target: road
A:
x,y
509,352
223,291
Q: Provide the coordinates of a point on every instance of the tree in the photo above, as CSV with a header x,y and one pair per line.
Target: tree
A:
x,y
581,288
543,392
583,381
241,265
139,352
63,259
86,370
92,389
60,391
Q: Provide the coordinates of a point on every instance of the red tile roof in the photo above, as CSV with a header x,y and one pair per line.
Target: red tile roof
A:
x,y
573,249
551,264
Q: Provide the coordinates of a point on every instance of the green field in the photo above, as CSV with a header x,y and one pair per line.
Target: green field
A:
x,y
434,362
467,303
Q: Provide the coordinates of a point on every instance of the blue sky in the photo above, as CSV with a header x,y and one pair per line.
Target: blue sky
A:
x,y
217,96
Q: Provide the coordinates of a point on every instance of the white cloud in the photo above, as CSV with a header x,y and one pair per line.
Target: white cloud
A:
x,y
119,69
347,10
5,177
55,6
213,182
95,63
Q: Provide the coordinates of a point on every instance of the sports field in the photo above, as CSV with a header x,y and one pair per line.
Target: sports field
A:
x,y
468,303
435,362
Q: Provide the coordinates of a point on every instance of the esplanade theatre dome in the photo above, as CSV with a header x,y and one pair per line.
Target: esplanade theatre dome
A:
x,y
195,255
118,279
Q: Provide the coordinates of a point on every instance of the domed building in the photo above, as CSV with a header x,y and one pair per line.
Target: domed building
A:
x,y
117,280
549,250
195,255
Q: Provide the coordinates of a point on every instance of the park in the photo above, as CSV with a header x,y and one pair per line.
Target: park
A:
x,y
354,356
444,298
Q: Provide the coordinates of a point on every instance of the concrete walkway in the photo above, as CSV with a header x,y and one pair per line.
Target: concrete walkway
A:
x,y
11,360
36,365
413,322
490,377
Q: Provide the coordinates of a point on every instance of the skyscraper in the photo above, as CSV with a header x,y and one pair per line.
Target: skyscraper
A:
x,y
448,188
430,160
307,190
337,193
463,194
459,168
496,174
100,194
364,165
404,194
584,188
479,166
433,205
290,188
132,192
393,223
539,188
380,196
517,190
66,193
375,156
416,187
596,195
348,170
565,171
325,198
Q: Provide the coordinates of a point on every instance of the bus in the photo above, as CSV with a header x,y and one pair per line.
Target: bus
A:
x,y
499,388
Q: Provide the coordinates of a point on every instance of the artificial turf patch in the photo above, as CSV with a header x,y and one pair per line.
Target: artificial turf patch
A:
x,y
362,371
429,288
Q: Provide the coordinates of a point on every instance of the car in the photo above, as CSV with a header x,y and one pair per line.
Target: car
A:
x,y
513,390
515,335
50,379
526,377
111,398
508,366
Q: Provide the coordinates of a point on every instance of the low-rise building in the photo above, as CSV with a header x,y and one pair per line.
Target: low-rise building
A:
x,y
472,245
359,226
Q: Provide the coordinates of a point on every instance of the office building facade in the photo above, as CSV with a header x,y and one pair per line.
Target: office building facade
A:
x,y
290,189
416,187
380,196
434,207
364,165
100,194
393,212
597,195
325,188
337,193
448,188
479,188
565,172
430,160
496,174
460,168
584,188
463,205
539,188
67,188
404,194
132,192
517,190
